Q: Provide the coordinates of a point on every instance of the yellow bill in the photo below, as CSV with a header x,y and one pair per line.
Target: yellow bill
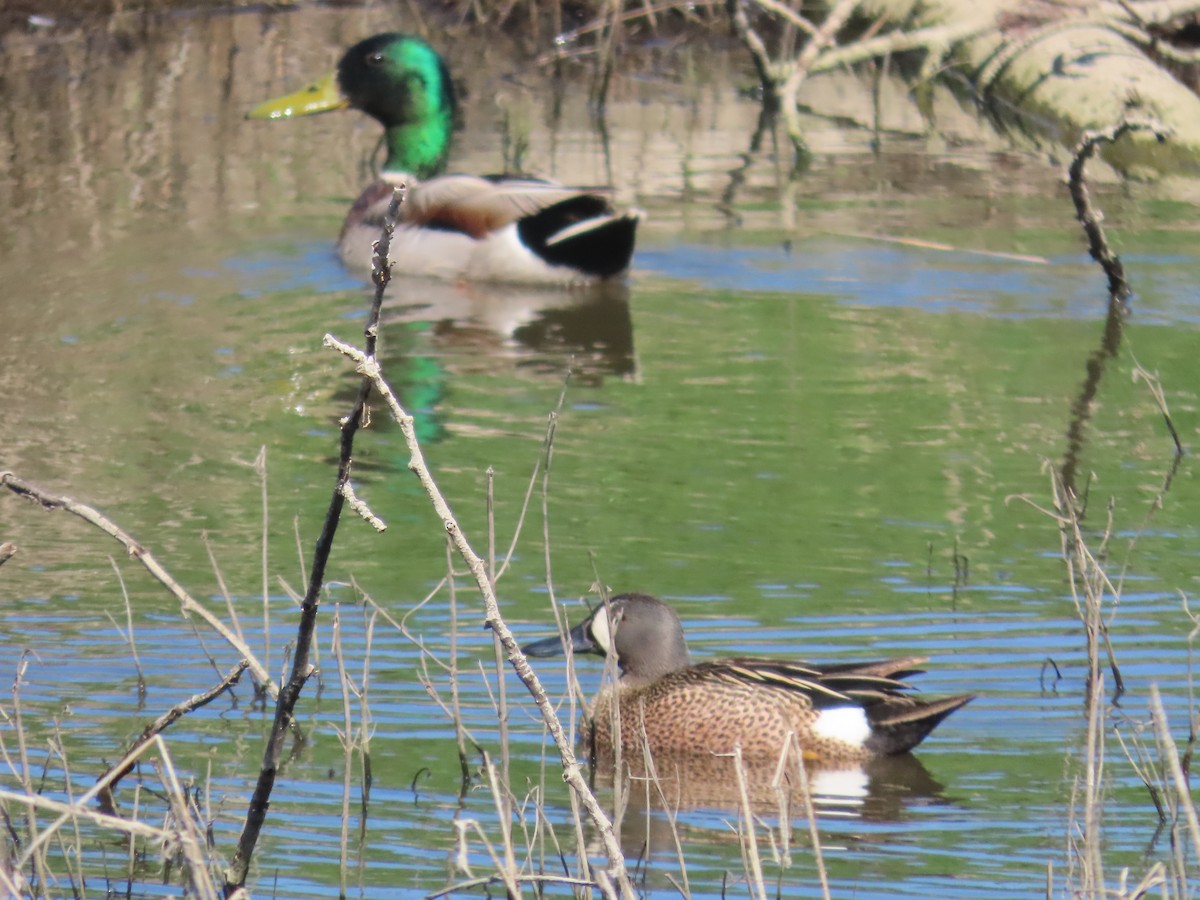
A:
x,y
321,96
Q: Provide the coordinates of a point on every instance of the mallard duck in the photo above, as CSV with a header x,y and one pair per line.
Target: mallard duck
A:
x,y
485,228
843,713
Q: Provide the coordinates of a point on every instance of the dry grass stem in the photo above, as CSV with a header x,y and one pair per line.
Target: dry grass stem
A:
x,y
810,813
366,728
127,634
346,737
751,858
230,608
1179,780
81,808
76,852
190,841
671,811
508,867
260,469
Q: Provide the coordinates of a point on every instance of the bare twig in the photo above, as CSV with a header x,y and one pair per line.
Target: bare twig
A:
x,y
1156,391
161,724
359,506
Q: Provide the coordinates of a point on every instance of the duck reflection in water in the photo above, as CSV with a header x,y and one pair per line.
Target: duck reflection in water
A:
x,y
589,329
433,329
884,789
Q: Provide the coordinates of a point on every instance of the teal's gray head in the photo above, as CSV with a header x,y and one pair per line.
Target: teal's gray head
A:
x,y
643,633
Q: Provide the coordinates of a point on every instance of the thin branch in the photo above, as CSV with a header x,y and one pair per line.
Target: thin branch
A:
x,y
1118,285
301,669
161,724
359,506
23,488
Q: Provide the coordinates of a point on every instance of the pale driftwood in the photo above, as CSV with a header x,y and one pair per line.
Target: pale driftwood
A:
x,y
1050,70
366,366
1058,70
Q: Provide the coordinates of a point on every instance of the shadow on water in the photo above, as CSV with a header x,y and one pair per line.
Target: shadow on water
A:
x,y
589,329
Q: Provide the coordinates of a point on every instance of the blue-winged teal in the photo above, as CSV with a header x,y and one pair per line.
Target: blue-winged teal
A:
x,y
455,226
839,713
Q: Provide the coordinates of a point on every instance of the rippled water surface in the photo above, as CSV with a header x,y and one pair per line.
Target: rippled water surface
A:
x,y
820,422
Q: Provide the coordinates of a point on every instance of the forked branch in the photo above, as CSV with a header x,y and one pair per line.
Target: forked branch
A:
x,y
367,366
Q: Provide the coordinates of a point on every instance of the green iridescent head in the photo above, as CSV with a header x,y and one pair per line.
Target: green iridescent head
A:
x,y
396,79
